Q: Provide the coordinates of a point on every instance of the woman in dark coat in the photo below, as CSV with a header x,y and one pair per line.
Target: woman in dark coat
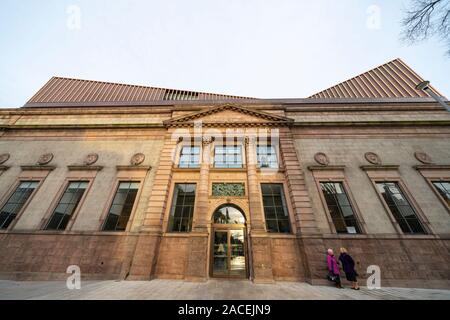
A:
x,y
348,264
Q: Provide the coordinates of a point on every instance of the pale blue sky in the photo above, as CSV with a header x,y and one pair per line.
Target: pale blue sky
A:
x,y
256,48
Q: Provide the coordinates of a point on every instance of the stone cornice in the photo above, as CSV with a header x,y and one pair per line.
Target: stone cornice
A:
x,y
84,168
377,167
328,167
36,167
294,101
432,167
373,123
81,126
130,167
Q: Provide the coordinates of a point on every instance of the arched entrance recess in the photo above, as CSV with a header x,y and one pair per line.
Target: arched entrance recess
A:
x,y
228,252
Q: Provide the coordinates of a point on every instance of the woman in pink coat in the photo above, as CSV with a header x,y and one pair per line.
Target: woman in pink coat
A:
x,y
333,269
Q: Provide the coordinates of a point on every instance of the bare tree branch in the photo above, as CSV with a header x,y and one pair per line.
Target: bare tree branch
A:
x,y
426,19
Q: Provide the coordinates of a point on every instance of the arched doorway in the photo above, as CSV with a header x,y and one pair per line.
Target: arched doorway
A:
x,y
228,252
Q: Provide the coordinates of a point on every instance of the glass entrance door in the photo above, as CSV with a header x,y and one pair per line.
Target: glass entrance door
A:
x,y
229,253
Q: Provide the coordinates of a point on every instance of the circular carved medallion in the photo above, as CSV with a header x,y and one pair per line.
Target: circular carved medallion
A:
x,y
321,158
372,157
137,159
91,159
423,157
45,158
4,157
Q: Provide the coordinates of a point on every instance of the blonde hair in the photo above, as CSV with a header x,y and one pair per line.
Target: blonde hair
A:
x,y
343,250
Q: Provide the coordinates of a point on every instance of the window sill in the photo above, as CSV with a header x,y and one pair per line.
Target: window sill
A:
x,y
177,169
213,169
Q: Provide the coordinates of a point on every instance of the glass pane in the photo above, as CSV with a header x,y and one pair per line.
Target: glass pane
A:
x,y
339,207
182,208
270,212
55,221
237,260
135,185
272,225
400,208
111,222
6,219
220,253
228,215
284,226
415,225
67,197
122,223
268,201
347,211
67,205
281,213
124,185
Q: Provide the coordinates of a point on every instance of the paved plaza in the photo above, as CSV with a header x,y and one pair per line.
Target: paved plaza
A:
x,y
212,289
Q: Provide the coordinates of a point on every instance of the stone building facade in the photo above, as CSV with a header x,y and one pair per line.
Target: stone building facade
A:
x,y
137,183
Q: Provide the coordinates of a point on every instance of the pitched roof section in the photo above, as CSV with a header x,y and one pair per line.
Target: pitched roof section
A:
x,y
390,80
67,90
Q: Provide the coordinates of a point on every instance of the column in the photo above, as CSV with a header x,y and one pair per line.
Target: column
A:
x,y
260,244
196,269
201,218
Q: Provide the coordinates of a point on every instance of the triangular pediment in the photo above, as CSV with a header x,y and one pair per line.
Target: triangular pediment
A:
x,y
230,115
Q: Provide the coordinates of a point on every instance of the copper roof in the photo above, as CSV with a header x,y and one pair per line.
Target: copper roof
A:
x,y
390,80
67,90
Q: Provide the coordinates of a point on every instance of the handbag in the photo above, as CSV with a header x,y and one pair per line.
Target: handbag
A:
x,y
331,277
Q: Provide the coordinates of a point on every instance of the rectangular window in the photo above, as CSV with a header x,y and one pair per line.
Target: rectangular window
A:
x,y
189,157
443,187
400,207
67,205
267,156
275,209
341,211
121,207
228,156
182,210
16,202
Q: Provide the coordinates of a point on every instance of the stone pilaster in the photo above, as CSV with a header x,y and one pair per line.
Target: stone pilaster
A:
x,y
310,241
254,189
260,244
146,252
196,269
201,219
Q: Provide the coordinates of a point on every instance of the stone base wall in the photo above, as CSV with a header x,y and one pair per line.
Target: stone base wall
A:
x,y
287,262
47,256
172,258
403,262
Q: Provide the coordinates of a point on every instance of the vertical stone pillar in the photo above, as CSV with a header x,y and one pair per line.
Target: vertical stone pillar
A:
x,y
310,240
198,247
143,264
260,244
254,189
201,219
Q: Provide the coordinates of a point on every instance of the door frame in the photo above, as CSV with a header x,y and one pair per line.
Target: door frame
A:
x,y
228,228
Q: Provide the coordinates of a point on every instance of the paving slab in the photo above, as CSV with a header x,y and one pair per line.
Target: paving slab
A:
x,y
213,289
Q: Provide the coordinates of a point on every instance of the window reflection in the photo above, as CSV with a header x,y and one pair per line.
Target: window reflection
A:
x,y
228,215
